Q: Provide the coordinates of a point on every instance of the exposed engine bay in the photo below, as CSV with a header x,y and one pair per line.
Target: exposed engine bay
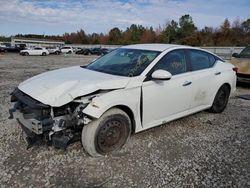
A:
x,y
57,126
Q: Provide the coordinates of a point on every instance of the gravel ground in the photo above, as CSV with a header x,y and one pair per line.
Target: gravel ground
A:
x,y
201,150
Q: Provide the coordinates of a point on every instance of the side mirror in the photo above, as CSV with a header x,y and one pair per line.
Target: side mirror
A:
x,y
161,75
235,55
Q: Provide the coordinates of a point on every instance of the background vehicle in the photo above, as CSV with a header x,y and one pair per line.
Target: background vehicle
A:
x,y
75,49
2,48
93,51
35,51
16,48
67,49
81,51
105,51
53,50
131,89
242,62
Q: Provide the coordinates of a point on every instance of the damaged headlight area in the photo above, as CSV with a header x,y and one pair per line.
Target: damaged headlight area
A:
x,y
58,126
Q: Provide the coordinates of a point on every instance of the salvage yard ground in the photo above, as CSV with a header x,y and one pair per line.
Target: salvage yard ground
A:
x,y
200,150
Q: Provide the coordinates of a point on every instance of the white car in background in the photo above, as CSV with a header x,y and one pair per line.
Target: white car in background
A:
x,y
35,51
128,90
67,49
54,50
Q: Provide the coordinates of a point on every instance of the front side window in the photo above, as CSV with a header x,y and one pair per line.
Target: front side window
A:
x,y
245,53
124,62
173,62
200,59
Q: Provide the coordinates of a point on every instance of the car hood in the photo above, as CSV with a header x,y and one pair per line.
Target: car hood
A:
x,y
59,87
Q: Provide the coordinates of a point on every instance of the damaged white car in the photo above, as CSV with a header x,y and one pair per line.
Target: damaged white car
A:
x,y
131,89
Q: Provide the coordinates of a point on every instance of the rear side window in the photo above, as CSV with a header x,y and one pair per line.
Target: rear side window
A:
x,y
200,60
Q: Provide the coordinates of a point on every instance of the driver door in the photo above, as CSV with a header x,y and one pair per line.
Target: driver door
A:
x,y
165,100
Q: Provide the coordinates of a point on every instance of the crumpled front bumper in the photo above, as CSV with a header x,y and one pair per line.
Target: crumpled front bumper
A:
x,y
31,124
58,125
30,113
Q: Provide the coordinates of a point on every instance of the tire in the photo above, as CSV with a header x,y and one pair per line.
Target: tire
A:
x,y
26,54
220,100
57,53
69,52
44,54
85,53
106,134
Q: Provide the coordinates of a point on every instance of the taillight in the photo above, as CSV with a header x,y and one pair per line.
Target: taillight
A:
x,y
235,69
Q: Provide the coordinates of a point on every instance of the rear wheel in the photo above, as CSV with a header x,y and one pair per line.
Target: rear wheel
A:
x,y
220,100
57,53
107,134
44,54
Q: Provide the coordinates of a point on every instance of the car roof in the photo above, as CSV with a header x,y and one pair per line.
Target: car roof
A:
x,y
153,46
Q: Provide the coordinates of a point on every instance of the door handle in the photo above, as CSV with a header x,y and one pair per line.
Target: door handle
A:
x,y
217,73
187,83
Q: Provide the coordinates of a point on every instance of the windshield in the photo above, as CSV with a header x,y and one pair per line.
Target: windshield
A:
x,y
245,53
124,62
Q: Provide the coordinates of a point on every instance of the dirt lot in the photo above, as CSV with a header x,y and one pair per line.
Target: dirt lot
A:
x,y
205,150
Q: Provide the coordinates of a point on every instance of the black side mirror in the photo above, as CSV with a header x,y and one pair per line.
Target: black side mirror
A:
x,y
235,55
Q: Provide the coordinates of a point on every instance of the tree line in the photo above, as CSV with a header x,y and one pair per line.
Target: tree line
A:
x,y
183,31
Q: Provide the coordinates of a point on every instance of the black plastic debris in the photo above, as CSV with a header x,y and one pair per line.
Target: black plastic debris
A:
x,y
245,97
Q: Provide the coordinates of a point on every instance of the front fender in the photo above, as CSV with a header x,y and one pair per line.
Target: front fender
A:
x,y
122,97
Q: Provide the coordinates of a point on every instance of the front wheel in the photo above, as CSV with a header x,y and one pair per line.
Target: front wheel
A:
x,y
220,100
106,134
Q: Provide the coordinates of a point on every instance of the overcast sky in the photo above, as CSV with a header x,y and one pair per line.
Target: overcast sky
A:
x,y
56,17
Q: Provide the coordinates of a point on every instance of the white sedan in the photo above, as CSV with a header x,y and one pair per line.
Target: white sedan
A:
x,y
35,51
131,89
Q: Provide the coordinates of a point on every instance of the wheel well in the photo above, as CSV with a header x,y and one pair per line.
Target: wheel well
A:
x,y
228,86
130,114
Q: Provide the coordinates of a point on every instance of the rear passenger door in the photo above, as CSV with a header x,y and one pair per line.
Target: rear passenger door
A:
x,y
204,76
